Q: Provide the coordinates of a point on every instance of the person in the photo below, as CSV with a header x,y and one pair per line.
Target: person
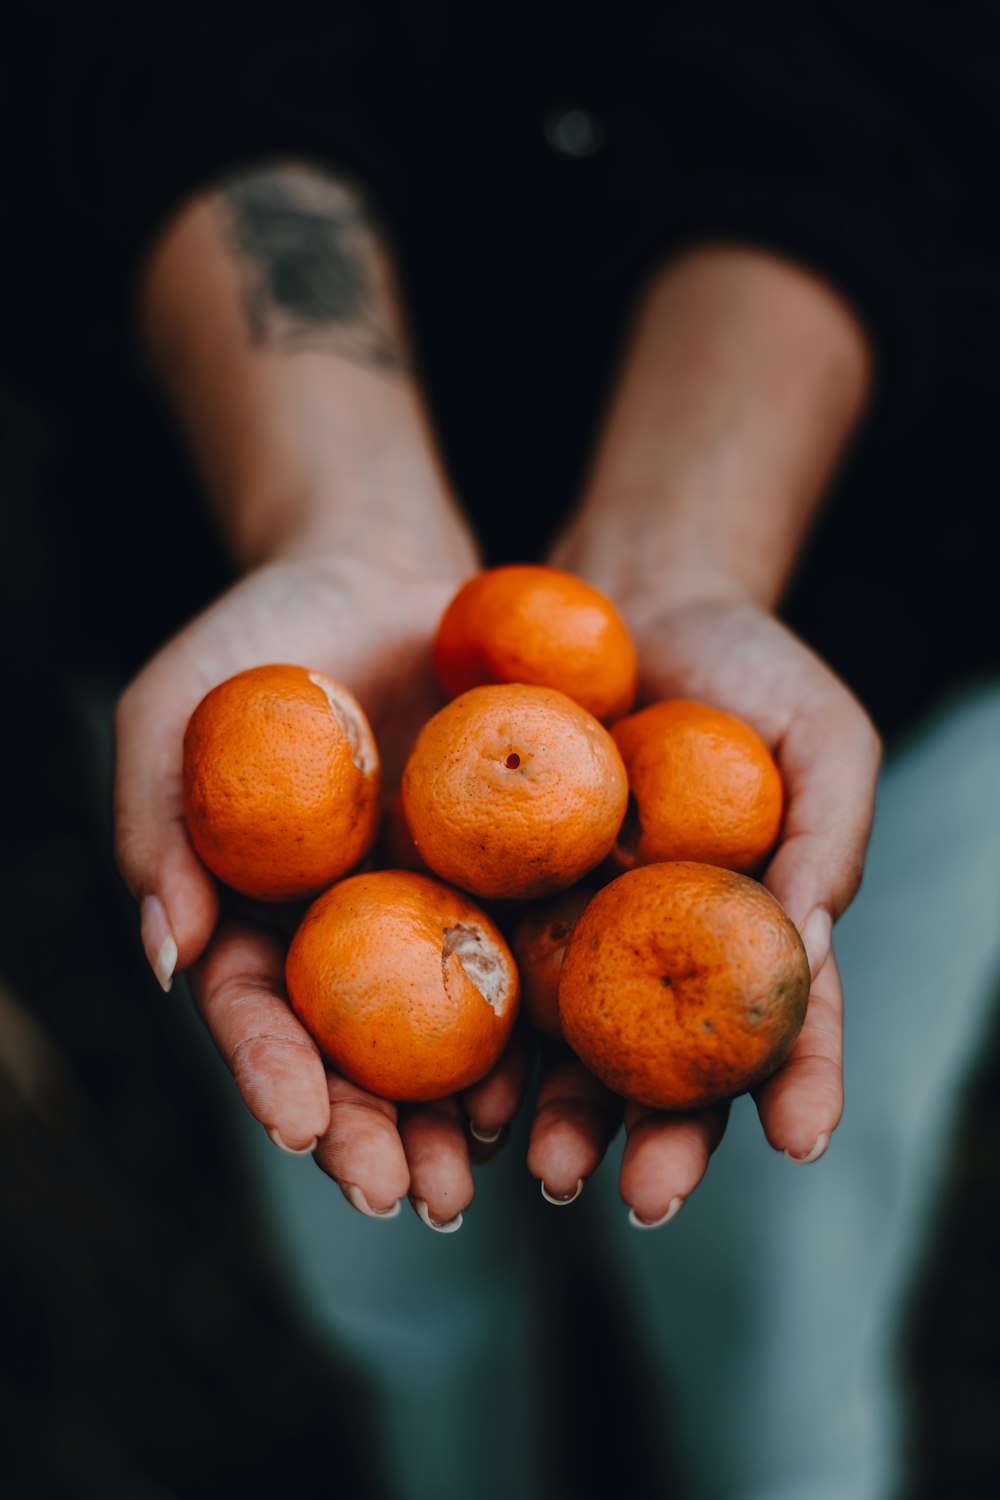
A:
x,y
272,316
270,311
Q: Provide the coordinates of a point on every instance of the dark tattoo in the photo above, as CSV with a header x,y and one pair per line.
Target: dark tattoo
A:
x,y
315,275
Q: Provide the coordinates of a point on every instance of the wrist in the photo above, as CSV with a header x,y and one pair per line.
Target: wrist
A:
x,y
659,574
308,451
743,380
393,514
271,317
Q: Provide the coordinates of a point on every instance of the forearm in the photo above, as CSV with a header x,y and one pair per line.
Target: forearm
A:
x,y
742,383
270,316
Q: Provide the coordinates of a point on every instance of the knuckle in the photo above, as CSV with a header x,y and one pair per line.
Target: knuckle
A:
x,y
359,1109
253,1053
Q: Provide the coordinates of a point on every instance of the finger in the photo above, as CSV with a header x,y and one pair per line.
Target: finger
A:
x,y
829,759
441,1186
575,1118
665,1158
176,894
362,1151
239,989
800,1106
493,1102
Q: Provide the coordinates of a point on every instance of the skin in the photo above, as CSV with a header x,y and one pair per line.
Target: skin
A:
x,y
744,380
270,317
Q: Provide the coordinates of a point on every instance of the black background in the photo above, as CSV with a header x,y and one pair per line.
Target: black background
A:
x,y
864,148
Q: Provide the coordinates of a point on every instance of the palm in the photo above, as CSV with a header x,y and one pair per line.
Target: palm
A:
x,y
363,626
733,656
739,658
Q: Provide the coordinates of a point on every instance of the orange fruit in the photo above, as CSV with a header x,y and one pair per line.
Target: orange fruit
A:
x,y
526,623
539,945
281,782
406,986
702,785
683,984
513,791
397,846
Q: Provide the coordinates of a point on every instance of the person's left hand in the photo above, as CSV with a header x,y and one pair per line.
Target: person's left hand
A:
x,y
729,652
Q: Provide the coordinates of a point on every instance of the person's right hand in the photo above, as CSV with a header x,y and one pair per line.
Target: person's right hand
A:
x,y
272,317
729,652
368,626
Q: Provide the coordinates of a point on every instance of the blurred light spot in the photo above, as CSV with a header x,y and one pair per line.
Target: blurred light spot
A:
x,y
573,132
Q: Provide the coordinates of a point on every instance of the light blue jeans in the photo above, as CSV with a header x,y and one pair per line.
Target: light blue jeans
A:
x,y
765,1318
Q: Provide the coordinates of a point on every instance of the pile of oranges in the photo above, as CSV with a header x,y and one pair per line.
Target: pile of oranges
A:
x,y
645,944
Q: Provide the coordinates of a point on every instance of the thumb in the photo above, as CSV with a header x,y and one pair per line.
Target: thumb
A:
x,y
830,763
177,897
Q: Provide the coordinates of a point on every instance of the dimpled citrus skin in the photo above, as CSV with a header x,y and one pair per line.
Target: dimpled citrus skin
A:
x,y
683,984
539,945
703,787
513,791
281,782
527,623
376,975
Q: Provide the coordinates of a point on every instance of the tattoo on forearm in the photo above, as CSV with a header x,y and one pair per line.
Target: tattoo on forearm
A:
x,y
315,275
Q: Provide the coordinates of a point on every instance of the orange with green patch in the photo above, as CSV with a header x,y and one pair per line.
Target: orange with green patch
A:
x,y
683,984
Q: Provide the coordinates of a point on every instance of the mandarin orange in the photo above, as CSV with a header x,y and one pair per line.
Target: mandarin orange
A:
x,y
281,782
539,944
406,986
702,784
683,984
397,848
538,625
513,791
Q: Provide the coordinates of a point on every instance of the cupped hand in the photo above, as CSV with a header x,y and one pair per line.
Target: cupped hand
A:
x,y
368,626
732,654
378,1152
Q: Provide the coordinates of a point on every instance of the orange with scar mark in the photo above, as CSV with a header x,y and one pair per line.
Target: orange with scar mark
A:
x,y
406,986
281,782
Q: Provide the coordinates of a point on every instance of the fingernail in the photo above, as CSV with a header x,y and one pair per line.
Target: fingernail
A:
x,y
292,1150
357,1199
488,1137
158,941
561,1199
816,932
676,1204
447,1226
822,1141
